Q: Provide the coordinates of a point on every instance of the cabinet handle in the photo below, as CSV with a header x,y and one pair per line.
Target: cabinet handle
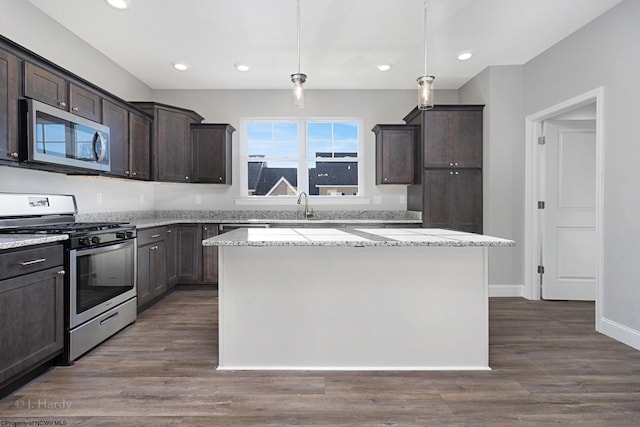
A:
x,y
14,155
450,172
169,231
134,173
456,172
450,163
62,272
155,235
75,109
386,179
153,248
186,177
220,179
32,262
455,164
62,104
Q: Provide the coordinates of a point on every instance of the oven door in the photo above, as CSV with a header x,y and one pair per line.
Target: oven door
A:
x,y
100,279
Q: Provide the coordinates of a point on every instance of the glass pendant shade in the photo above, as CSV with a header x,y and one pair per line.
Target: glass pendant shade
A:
x,y
425,92
298,80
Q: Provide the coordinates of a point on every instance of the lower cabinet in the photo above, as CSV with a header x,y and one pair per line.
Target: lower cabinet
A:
x,y
172,257
31,309
152,257
196,262
452,199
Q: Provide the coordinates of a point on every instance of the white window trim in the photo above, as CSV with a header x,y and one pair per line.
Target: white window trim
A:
x,y
243,199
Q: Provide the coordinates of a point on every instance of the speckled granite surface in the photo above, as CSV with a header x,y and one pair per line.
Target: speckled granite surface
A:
x,y
147,219
353,237
17,241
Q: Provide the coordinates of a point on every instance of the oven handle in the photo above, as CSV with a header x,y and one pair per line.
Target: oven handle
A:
x,y
106,248
109,319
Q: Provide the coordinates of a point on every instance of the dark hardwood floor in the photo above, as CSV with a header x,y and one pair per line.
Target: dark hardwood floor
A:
x,y
549,368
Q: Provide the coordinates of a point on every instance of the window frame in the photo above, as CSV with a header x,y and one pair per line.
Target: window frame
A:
x,y
302,162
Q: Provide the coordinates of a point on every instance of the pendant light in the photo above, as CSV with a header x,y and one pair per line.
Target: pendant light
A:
x,y
298,78
425,82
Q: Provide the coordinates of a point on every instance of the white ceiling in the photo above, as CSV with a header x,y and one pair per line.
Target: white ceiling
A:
x,y
342,41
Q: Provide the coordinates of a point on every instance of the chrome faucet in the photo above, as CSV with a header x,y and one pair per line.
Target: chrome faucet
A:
x,y
307,213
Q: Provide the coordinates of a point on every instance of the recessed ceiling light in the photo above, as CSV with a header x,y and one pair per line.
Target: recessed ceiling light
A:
x,y
119,4
384,67
465,55
180,66
241,67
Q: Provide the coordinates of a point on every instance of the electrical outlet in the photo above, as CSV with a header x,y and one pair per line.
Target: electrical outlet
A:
x,y
198,199
377,200
99,198
142,199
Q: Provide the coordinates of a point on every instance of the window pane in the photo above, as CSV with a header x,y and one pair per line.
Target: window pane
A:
x,y
320,149
319,131
333,178
278,139
285,131
345,131
272,178
285,149
259,131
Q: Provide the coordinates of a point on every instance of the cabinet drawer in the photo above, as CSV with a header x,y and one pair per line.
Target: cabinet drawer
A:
x,y
151,235
30,260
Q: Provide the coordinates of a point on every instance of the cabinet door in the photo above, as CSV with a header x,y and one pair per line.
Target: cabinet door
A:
x,y
45,86
85,103
144,278
466,138
116,118
467,200
189,242
436,199
139,146
172,156
10,82
31,320
211,153
395,148
172,257
157,267
435,134
209,255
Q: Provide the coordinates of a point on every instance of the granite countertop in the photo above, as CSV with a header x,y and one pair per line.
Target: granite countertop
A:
x,y
353,237
10,241
148,219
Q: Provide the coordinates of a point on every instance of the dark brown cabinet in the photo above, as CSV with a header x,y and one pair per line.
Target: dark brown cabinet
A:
x,y
10,83
449,193
172,257
395,154
171,141
197,264
31,309
152,256
209,255
453,199
211,153
116,118
139,147
53,89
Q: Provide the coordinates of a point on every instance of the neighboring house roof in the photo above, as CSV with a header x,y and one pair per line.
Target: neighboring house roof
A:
x,y
269,177
282,188
254,171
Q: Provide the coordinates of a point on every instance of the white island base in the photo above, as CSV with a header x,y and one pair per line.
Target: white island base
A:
x,y
353,308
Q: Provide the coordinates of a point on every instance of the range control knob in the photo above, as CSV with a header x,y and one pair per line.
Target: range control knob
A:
x,y
85,241
121,235
95,240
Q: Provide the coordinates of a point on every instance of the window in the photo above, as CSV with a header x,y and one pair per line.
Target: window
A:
x,y
286,157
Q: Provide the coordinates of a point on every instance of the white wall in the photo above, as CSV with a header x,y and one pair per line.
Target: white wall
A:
x,y
500,89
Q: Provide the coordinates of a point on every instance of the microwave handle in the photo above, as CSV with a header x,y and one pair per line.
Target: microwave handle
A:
x,y
97,137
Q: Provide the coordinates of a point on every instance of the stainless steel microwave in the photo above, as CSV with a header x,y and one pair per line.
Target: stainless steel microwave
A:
x,y
59,138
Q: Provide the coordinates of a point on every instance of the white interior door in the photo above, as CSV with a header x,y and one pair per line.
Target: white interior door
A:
x,y
568,233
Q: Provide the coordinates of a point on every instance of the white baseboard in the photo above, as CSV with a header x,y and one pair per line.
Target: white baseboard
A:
x,y
506,290
621,333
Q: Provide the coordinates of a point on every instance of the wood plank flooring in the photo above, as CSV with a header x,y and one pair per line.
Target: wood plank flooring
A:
x,y
549,368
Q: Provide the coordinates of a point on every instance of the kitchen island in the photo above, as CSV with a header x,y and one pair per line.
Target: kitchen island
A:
x,y
353,299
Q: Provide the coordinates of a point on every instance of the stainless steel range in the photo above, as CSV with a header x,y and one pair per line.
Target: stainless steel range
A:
x,y
100,261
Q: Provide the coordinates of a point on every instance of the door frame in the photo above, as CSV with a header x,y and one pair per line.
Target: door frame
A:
x,y
533,180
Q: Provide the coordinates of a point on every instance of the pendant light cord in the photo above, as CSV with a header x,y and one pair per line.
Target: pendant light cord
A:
x,y
299,37
425,37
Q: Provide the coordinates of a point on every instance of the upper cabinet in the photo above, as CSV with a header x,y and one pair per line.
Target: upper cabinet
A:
x,y
211,153
395,154
130,141
451,135
53,89
10,83
171,141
